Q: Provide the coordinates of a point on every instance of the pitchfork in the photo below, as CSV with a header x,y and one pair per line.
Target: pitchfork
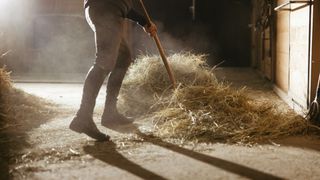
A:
x,y
160,48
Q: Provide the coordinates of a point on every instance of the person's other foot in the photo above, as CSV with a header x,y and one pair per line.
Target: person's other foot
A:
x,y
115,119
87,126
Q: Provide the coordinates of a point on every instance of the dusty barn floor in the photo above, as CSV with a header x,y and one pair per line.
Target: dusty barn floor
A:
x,y
55,152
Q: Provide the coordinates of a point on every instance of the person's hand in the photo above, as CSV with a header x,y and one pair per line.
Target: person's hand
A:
x,y
151,29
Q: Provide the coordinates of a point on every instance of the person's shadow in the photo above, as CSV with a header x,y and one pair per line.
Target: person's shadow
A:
x,y
125,129
213,161
107,152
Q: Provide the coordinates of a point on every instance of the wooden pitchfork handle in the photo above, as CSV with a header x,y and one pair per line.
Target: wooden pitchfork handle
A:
x,y
160,48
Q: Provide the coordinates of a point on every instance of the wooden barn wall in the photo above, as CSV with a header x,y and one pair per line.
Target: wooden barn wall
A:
x,y
21,32
292,65
284,56
282,49
15,24
59,6
261,53
57,38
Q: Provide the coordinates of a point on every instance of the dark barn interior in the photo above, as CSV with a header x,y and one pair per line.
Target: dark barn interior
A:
x,y
220,90
218,28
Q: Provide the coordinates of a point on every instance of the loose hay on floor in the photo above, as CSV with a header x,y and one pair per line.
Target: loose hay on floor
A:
x,y
18,107
201,108
5,86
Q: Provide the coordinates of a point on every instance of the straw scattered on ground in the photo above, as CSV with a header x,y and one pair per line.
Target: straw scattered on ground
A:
x,y
201,108
5,86
18,107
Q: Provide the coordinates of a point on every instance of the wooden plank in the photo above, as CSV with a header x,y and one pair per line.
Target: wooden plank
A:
x,y
282,50
283,42
281,78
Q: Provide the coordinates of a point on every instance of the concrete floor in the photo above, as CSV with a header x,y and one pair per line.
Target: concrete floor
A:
x,y
66,155
67,95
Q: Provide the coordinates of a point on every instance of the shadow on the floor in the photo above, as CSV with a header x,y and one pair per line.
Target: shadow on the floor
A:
x,y
125,129
217,162
13,141
108,153
25,113
4,158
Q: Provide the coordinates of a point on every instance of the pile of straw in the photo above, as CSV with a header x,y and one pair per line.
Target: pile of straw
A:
x,y
201,108
18,107
147,80
5,86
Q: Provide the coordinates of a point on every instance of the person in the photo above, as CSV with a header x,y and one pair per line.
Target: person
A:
x,y
106,18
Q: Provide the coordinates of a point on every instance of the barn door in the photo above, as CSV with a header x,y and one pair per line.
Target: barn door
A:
x,y
299,54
